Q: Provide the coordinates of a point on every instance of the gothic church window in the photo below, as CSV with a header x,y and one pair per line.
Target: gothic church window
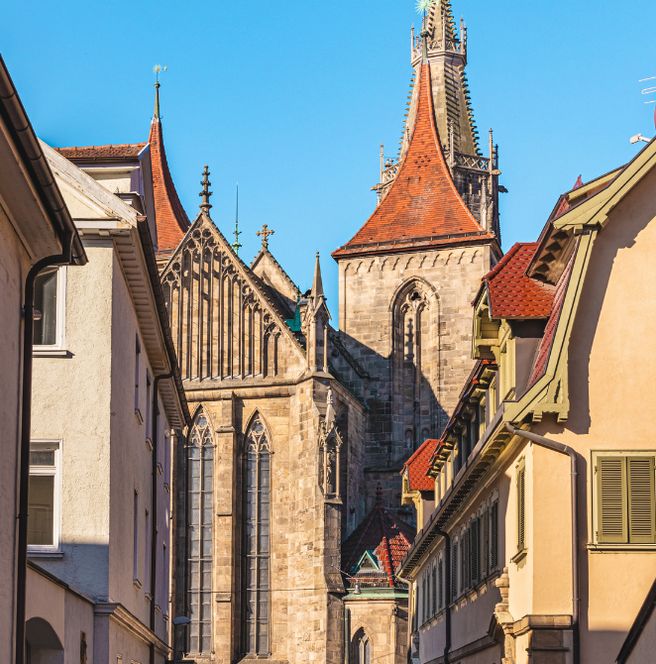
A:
x,y
256,582
415,356
200,459
361,648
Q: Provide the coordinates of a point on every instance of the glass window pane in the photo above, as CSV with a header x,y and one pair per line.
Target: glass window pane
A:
x,y
45,308
42,457
40,520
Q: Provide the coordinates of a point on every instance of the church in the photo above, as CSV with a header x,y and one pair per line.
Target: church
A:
x,y
290,524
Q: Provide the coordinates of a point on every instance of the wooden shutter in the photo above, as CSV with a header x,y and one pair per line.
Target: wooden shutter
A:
x,y
521,508
640,475
494,536
612,527
455,550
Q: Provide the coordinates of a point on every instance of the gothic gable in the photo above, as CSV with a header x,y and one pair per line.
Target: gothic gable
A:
x,y
224,325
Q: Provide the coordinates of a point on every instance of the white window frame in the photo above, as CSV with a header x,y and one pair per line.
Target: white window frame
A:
x,y
49,471
58,349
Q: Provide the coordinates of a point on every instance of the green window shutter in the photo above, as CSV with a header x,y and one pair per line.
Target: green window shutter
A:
x,y
612,527
521,508
640,471
454,570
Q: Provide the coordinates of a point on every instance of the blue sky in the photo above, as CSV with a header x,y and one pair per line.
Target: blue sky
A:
x,y
291,99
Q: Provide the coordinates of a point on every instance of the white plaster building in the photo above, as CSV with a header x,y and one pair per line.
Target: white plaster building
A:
x,y
35,229
102,466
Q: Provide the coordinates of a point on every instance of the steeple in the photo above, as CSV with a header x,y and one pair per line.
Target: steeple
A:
x,y
171,220
317,283
476,176
423,207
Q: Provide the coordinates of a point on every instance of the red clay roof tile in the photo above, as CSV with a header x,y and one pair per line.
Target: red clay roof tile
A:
x,y
423,202
418,464
115,152
513,294
546,343
172,220
388,537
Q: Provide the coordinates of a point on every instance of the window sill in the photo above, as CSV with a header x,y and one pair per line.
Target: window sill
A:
x,y
50,351
519,556
44,553
614,548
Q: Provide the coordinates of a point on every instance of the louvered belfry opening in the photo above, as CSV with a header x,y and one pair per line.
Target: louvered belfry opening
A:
x,y
220,327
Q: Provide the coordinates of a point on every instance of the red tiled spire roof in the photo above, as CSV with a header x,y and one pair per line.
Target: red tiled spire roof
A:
x,y
423,206
172,220
418,464
384,535
511,292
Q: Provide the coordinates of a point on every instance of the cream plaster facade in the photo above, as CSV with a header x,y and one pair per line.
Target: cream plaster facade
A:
x,y
34,227
549,597
113,348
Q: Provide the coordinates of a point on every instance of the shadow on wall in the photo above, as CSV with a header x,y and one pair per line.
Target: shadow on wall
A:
x,y
624,226
395,394
43,644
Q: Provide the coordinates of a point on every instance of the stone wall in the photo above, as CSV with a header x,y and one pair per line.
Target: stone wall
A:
x,y
369,288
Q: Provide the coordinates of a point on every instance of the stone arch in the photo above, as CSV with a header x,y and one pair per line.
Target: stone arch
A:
x,y
256,537
361,647
43,645
414,311
200,526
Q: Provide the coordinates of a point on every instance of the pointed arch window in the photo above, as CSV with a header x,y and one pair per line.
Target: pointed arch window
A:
x,y
361,648
200,460
256,573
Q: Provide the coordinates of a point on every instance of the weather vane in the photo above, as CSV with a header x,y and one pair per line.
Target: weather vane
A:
x,y
157,70
423,6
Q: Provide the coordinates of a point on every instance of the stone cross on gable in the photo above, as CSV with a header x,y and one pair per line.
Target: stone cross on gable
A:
x,y
265,233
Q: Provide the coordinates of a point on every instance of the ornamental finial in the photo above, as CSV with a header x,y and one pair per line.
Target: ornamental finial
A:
x,y
236,245
157,70
265,233
205,194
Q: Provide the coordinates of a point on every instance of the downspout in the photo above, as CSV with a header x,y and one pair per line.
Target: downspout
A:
x,y
153,507
24,450
447,594
561,448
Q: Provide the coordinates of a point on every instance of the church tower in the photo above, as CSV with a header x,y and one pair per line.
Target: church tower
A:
x,y
408,276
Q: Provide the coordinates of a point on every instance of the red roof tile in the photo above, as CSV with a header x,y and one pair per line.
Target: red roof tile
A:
x,y
385,535
513,294
418,464
423,203
172,220
116,152
546,343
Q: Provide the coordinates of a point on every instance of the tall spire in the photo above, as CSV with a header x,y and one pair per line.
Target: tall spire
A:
x,y
422,207
170,218
205,193
317,283
236,245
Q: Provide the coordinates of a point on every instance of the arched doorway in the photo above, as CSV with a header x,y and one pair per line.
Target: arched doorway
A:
x,y
42,643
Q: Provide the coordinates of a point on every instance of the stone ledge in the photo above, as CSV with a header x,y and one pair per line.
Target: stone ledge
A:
x,y
537,622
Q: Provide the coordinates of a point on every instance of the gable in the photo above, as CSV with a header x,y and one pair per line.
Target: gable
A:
x,y
224,325
274,278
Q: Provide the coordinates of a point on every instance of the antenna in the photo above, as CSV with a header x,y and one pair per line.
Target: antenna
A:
x,y
646,91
